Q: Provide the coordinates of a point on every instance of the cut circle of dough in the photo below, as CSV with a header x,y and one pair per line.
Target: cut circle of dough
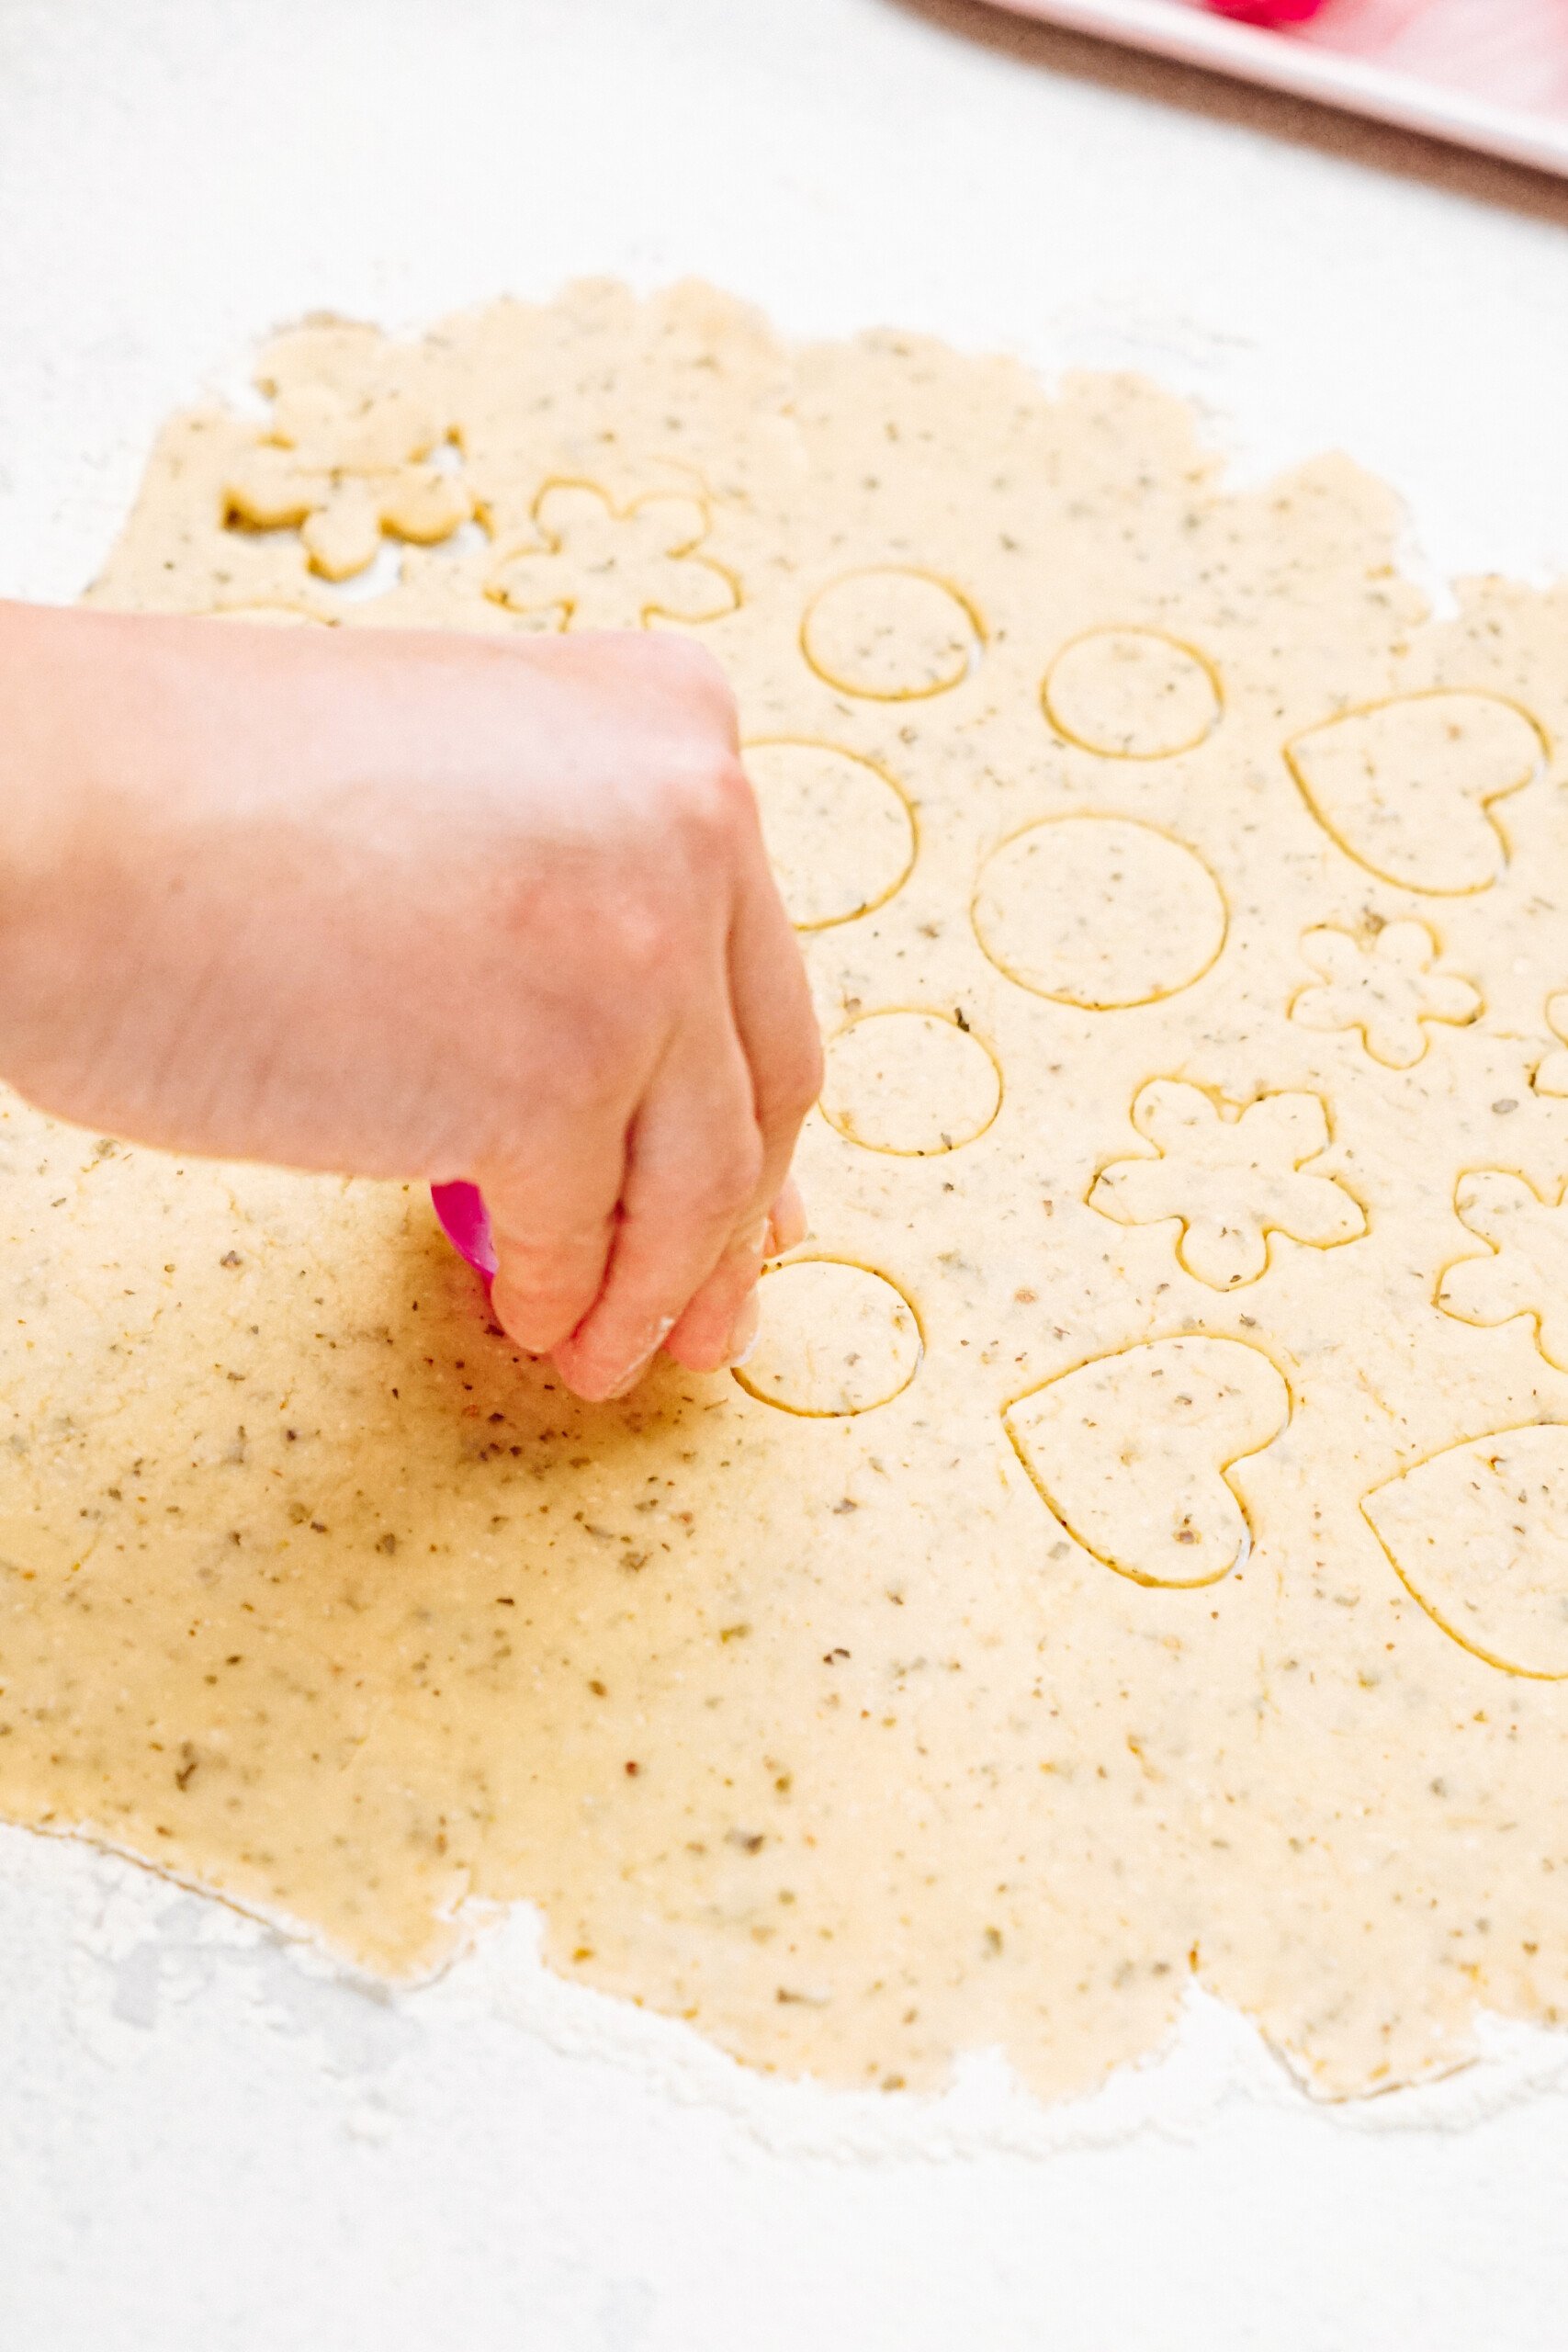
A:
x,y
909,1082
890,635
1476,1534
1132,693
838,833
835,1339
1099,911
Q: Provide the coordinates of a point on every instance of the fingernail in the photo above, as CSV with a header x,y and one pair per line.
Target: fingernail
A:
x,y
787,1225
629,1378
743,1332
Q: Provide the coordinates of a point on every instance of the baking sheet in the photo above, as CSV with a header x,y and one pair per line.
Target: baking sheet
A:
x,y
1491,74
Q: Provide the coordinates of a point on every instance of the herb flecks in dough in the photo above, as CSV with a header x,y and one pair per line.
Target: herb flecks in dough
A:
x,y
1231,1175
838,829
909,1620
347,455
910,1082
1526,1270
1408,788
1131,1453
1099,911
592,565
1551,1072
892,636
1132,693
835,1339
1479,1535
1384,986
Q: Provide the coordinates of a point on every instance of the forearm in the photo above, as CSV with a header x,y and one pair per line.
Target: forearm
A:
x,y
46,658
112,819
60,813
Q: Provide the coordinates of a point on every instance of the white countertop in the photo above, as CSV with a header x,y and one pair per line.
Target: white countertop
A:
x,y
208,2138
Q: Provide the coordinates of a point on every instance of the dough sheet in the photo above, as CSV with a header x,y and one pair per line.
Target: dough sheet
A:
x,y
1137,1550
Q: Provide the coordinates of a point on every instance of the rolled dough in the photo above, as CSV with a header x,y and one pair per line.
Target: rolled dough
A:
x,y
1138,1549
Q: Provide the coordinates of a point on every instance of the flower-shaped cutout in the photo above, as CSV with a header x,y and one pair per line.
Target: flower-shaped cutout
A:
x,y
595,565
347,470
1525,1271
1232,1176
1385,987
1551,1076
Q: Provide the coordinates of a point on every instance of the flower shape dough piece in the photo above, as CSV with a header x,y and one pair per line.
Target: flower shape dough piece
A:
x,y
371,431
1385,988
345,472
599,566
1552,1078
1232,1176
1526,1270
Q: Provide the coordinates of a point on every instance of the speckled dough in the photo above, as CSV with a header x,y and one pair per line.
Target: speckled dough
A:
x,y
1136,1549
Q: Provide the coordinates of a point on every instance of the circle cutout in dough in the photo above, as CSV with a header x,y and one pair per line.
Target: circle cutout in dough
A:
x,y
909,1082
835,1339
890,635
1132,693
840,835
1099,911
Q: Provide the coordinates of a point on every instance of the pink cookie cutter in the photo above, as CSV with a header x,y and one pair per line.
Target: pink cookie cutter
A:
x,y
465,1220
1268,12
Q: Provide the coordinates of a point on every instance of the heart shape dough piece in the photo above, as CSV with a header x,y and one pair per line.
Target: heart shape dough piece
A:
x,y
1405,788
1478,1535
1130,1453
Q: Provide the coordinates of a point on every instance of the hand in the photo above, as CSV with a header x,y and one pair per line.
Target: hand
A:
x,y
420,906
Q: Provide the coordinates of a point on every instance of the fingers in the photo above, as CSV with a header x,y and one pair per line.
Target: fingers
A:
x,y
654,1234
720,1324
772,1006
787,1220
773,1016
744,1333
690,1175
552,1220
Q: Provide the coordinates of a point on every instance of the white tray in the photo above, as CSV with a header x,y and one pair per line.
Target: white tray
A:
x,y
1491,74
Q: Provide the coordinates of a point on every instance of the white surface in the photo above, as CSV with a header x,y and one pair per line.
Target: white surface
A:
x,y
206,2139
1178,29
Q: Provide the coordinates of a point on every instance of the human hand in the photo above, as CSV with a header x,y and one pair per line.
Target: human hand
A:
x,y
422,906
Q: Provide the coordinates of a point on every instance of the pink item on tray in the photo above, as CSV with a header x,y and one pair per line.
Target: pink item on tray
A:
x,y
1513,52
1267,12
1491,74
465,1220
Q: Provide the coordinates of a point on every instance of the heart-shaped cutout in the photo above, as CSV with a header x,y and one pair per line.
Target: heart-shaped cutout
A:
x,y
1131,1452
1406,787
1478,1534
